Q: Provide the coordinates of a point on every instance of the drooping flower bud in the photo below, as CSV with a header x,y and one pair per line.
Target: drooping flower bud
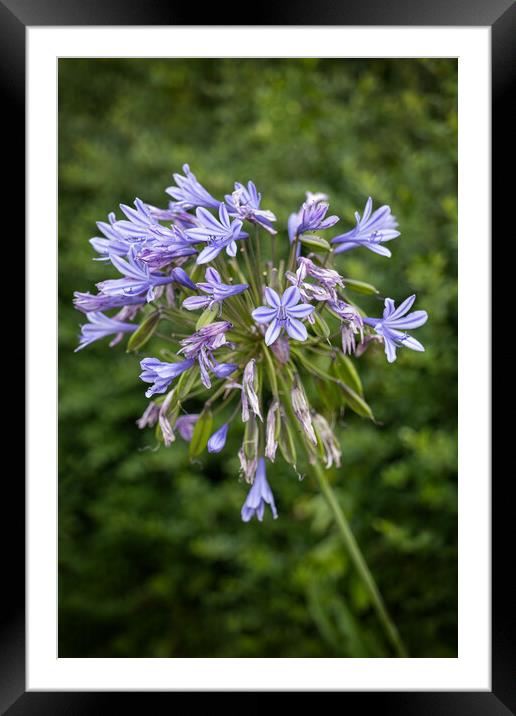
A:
x,y
272,431
164,418
328,440
218,439
281,348
250,385
248,453
302,409
149,417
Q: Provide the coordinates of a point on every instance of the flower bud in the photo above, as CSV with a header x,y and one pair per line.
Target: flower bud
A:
x,y
250,383
272,431
328,440
302,410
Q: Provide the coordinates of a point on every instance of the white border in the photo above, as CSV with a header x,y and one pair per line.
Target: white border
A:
x,y
471,669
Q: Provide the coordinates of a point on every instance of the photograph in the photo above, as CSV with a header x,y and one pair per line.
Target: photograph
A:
x,y
257,373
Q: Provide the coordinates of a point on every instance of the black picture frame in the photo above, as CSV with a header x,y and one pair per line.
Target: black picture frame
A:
x,y
15,16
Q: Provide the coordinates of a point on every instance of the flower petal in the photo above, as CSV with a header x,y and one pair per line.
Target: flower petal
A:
x,y
290,297
302,310
296,329
263,314
273,331
209,253
272,297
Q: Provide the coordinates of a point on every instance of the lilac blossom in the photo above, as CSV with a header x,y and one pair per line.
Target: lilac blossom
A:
x,y
283,313
394,323
244,203
139,279
189,193
100,326
216,291
218,234
218,439
259,495
161,374
371,230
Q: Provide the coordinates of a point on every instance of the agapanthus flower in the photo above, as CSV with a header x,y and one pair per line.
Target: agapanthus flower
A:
x,y
100,326
200,346
189,193
139,221
218,235
161,373
394,323
139,279
159,253
216,291
165,246
371,230
259,495
113,242
218,439
283,314
88,303
244,203
312,217
327,281
352,324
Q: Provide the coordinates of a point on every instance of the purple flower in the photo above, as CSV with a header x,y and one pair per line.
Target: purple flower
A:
x,y
199,346
222,234
164,246
113,242
138,222
371,230
87,302
139,279
259,494
100,326
189,193
244,203
174,213
352,323
216,290
284,313
218,439
311,217
162,374
327,279
185,425
394,323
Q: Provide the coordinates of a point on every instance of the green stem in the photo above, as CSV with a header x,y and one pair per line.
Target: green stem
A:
x,y
359,561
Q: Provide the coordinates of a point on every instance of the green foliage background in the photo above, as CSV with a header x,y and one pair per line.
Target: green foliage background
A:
x,y
154,561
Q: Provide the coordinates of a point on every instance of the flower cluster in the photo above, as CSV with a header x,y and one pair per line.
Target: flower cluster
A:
x,y
269,311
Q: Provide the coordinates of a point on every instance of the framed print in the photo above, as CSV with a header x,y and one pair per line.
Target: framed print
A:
x,y
258,424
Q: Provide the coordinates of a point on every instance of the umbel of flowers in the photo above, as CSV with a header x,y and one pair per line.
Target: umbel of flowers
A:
x,y
250,313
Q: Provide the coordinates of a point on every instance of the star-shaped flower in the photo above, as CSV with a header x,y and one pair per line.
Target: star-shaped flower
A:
x,y
283,313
